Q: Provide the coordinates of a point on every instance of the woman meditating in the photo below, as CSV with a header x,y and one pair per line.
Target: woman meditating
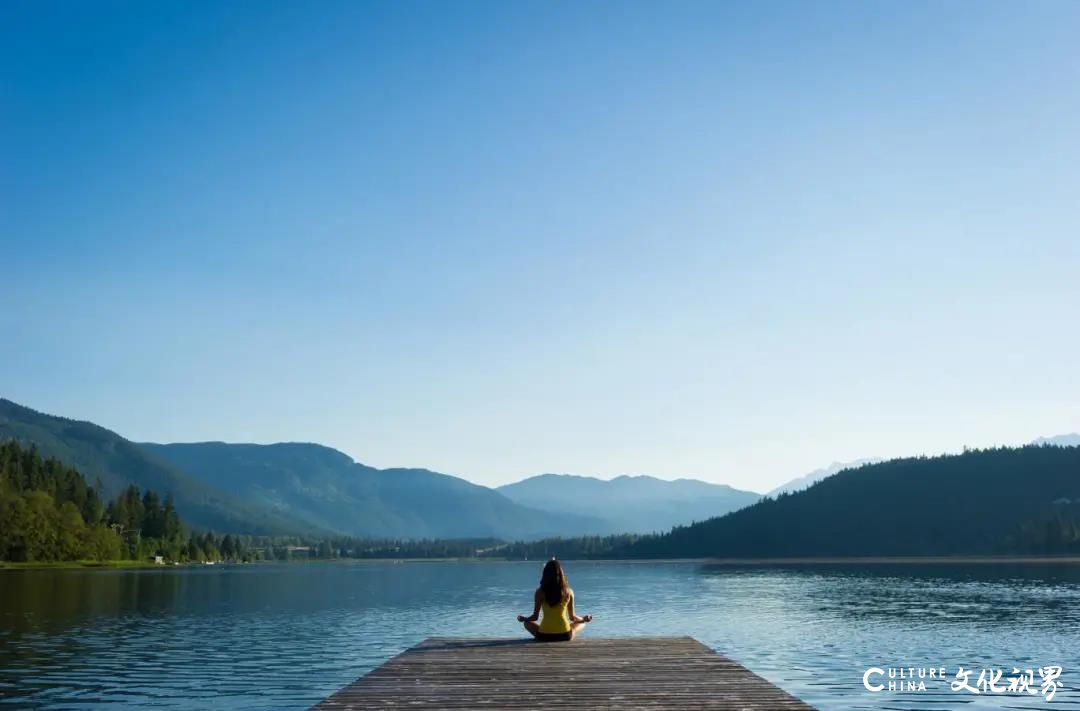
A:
x,y
556,599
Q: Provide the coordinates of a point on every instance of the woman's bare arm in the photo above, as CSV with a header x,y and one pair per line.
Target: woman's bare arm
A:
x,y
536,609
570,611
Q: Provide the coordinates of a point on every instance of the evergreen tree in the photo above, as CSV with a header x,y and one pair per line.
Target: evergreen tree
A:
x,y
153,516
228,548
170,520
49,512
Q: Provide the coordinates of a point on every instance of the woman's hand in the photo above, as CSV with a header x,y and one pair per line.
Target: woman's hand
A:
x,y
521,618
586,618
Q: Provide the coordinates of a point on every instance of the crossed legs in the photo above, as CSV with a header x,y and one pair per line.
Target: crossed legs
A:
x,y
533,628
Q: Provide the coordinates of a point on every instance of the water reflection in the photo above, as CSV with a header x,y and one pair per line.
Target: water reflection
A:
x,y
283,636
930,594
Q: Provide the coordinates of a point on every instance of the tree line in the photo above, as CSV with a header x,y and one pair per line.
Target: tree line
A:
x,y
579,547
288,548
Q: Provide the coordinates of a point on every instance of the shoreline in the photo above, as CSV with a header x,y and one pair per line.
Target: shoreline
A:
x,y
874,560
79,565
841,560
824,560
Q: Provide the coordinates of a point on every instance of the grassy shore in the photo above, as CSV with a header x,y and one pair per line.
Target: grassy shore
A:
x,y
62,564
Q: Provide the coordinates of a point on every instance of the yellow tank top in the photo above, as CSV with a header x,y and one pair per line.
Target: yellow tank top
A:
x,y
555,619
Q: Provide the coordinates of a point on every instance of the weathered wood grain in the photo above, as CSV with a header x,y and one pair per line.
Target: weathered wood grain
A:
x,y
597,674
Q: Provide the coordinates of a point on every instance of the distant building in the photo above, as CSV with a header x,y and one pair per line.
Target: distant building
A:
x,y
159,559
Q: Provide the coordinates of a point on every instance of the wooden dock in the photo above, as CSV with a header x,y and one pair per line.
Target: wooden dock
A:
x,y
620,673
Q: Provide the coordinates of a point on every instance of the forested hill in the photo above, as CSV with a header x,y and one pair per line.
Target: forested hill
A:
x,y
106,457
1024,500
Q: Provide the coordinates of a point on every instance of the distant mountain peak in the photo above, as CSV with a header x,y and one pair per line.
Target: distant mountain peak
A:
x,y
806,480
630,503
1063,440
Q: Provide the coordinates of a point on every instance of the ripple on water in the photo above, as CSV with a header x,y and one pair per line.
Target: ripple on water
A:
x,y
282,637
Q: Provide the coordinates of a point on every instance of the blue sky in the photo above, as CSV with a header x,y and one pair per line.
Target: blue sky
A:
x,y
732,241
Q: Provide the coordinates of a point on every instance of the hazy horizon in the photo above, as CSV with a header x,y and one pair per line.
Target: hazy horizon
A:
x,y
671,476
595,475
726,241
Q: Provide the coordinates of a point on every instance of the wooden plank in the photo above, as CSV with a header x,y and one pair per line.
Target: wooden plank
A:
x,y
598,674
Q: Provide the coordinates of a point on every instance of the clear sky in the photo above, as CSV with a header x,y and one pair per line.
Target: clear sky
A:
x,y
732,241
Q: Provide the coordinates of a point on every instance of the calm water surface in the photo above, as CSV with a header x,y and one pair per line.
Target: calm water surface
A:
x,y
285,636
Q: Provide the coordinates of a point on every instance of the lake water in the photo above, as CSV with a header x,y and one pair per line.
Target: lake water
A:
x,y
285,636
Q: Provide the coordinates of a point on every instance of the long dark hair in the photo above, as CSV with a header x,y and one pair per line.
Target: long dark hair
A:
x,y
553,583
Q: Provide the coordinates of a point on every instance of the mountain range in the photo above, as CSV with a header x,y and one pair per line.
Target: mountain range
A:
x,y
1065,440
630,504
304,488
326,487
